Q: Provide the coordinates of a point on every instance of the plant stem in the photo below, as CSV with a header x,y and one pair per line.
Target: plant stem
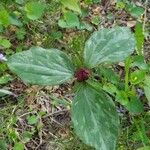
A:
x,y
127,67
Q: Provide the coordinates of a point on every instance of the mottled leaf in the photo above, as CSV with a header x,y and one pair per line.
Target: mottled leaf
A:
x,y
95,118
41,66
108,45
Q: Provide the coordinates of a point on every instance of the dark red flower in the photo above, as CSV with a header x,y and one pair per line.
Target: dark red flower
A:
x,y
82,74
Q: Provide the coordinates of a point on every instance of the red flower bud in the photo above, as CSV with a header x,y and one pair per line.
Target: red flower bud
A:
x,y
82,74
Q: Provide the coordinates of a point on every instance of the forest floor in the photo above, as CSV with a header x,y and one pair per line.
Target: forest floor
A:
x,y
39,116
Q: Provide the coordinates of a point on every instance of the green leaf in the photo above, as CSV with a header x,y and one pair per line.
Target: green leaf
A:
x,y
85,25
41,66
20,33
32,119
134,105
147,88
110,88
34,10
62,23
72,5
4,17
12,134
120,5
122,97
15,21
95,118
19,1
130,102
95,20
144,148
96,1
56,35
3,68
26,136
139,61
18,146
137,76
3,145
5,79
139,36
134,10
108,74
5,43
108,45
141,134
71,19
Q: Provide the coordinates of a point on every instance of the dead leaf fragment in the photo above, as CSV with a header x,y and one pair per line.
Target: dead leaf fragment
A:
x,y
131,23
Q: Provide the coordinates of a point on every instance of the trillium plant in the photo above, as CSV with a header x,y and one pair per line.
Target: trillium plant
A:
x,y
93,112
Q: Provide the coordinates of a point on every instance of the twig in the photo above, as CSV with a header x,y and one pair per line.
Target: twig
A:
x,y
145,15
56,112
27,114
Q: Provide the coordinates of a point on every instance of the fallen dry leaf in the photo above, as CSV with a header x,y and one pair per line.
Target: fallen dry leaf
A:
x,y
131,23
